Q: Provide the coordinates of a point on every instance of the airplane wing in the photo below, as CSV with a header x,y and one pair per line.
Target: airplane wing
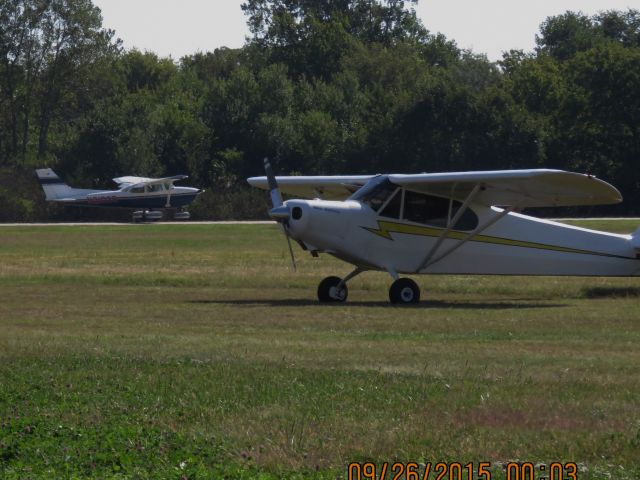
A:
x,y
328,187
123,181
521,188
141,181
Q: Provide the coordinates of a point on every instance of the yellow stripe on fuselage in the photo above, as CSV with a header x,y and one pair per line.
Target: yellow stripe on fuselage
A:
x,y
385,229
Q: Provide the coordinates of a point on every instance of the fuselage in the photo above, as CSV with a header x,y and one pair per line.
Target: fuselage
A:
x,y
380,236
178,197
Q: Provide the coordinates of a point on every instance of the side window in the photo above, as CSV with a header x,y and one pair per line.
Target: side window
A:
x,y
392,208
421,208
137,190
469,219
154,188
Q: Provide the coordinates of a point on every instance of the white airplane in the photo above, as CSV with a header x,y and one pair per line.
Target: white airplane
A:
x,y
448,223
151,195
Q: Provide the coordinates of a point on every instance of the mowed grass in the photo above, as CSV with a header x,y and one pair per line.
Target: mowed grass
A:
x,y
183,351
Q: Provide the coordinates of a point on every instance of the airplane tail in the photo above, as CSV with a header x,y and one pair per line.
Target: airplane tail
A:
x,y
53,186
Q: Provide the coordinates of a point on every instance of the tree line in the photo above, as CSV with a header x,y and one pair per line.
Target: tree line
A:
x,y
321,87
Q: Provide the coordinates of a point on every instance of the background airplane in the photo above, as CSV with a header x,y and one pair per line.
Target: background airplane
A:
x,y
150,195
451,223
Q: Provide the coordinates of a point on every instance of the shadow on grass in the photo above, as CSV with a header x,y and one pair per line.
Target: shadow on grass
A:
x,y
611,292
384,304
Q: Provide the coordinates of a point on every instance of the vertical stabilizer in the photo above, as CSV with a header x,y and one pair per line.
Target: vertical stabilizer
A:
x,y
53,186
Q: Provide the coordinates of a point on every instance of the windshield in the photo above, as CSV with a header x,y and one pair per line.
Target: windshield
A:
x,y
375,192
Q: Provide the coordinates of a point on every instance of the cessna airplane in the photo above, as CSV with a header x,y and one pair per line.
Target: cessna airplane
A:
x,y
453,223
151,195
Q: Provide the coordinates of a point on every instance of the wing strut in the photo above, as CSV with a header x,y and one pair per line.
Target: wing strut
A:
x,y
168,204
469,237
451,223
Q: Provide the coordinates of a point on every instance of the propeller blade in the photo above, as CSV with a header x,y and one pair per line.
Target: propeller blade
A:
x,y
293,258
279,212
274,191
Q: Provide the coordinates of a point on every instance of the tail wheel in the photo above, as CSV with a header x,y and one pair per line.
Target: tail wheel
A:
x,y
404,291
328,290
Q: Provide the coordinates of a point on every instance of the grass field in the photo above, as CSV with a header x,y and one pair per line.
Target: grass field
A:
x,y
186,351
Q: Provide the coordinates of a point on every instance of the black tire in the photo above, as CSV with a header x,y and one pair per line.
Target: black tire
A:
x,y
325,290
404,291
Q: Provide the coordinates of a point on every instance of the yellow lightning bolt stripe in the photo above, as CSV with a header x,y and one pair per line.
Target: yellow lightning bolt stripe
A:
x,y
385,229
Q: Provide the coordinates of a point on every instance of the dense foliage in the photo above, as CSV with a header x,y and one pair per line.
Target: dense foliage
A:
x,y
322,87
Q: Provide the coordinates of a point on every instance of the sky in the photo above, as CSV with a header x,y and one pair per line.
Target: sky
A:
x,y
170,28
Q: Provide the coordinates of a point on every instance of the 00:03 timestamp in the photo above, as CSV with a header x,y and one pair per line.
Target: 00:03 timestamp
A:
x,y
459,471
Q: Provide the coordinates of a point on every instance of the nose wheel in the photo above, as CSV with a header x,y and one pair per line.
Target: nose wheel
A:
x,y
332,289
404,291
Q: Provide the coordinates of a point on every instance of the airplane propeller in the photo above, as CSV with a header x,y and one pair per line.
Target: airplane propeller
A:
x,y
279,212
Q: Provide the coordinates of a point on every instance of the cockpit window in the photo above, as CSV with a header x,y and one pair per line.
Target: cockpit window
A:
x,y
375,192
391,201
155,187
436,211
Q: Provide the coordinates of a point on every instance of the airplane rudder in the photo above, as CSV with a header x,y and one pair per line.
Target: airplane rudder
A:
x,y
53,186
47,176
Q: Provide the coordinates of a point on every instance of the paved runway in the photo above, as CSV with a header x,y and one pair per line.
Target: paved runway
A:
x,y
103,224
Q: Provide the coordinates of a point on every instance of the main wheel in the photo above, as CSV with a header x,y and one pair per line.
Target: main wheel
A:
x,y
327,291
404,290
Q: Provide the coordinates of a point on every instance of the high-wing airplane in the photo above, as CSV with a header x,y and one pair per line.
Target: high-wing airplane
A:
x,y
150,195
453,223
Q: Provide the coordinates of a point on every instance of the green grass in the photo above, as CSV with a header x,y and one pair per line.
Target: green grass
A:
x,y
186,351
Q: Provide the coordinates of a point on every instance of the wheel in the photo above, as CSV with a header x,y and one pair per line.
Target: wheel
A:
x,y
182,215
327,291
404,290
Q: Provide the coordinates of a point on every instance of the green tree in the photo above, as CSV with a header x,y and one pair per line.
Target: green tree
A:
x,y
565,35
598,126
311,37
621,27
47,51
